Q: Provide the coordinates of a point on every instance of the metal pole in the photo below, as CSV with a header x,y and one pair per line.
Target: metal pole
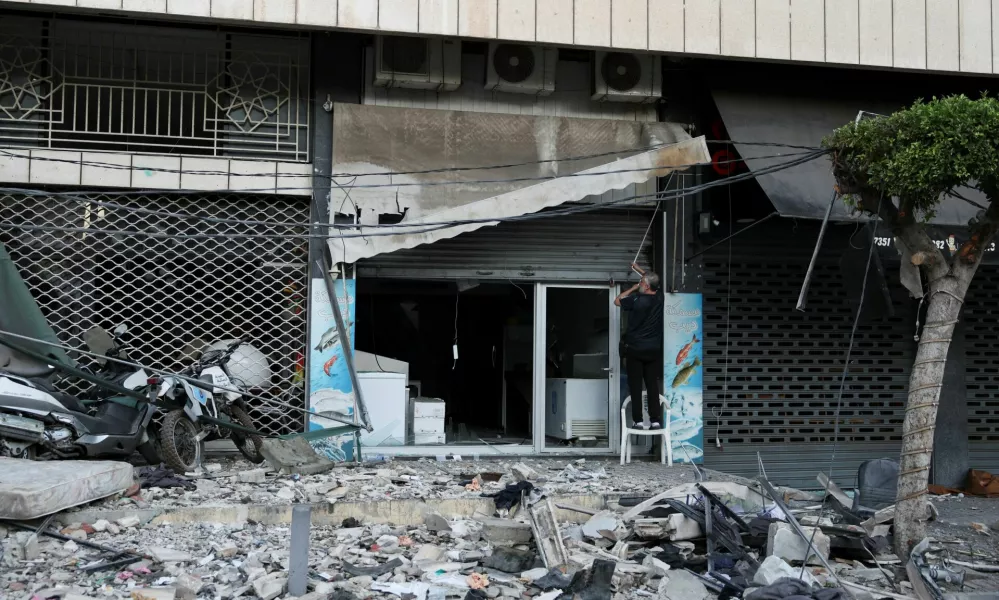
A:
x,y
348,352
298,558
802,297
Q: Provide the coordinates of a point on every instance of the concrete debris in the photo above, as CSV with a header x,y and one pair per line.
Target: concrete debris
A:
x,y
627,549
681,585
294,456
270,586
784,542
505,531
522,472
774,568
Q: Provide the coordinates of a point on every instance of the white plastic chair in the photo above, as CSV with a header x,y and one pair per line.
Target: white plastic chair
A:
x,y
627,432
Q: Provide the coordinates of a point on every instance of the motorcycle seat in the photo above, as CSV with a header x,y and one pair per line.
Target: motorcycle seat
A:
x,y
71,402
17,364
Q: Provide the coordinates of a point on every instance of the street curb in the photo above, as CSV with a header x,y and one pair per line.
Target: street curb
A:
x,y
409,512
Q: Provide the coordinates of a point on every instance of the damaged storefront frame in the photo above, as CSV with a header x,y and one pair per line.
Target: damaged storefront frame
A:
x,y
410,163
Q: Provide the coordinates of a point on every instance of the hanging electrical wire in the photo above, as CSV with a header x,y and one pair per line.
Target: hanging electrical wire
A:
x,y
427,226
210,172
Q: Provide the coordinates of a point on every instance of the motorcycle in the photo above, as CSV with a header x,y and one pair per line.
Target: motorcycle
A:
x,y
183,432
37,421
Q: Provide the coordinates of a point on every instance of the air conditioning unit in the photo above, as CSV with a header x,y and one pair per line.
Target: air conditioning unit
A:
x,y
419,63
521,69
625,77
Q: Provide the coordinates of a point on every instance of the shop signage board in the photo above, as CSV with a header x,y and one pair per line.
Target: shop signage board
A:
x,y
683,365
330,387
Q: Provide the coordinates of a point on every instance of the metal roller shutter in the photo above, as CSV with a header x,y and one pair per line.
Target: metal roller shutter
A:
x,y
981,318
785,366
593,247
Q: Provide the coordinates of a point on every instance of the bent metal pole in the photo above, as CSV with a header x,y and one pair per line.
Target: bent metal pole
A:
x,y
802,297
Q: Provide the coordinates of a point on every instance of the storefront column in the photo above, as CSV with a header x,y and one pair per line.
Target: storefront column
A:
x,y
337,68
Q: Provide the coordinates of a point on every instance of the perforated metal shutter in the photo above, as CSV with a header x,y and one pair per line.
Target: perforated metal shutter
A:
x,y
785,366
173,292
981,319
585,247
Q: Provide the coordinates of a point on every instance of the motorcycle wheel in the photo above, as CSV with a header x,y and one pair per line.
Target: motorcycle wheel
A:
x,y
247,444
179,445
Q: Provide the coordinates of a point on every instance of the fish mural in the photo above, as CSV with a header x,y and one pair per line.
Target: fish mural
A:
x,y
331,337
682,354
686,371
330,387
681,430
329,364
683,345
686,452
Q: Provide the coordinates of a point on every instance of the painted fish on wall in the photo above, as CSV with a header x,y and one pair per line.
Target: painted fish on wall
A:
x,y
686,371
682,354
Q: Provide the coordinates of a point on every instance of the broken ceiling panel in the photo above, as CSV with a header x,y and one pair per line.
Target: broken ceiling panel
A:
x,y
395,164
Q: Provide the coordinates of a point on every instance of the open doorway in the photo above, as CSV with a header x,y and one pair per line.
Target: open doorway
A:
x,y
484,388
579,371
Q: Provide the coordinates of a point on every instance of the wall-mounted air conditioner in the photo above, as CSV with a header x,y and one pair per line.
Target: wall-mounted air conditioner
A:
x,y
521,69
625,77
420,63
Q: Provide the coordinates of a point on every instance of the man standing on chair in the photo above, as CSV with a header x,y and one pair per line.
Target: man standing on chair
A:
x,y
642,345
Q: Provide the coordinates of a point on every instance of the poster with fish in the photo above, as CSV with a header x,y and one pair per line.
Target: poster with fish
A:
x,y
683,359
330,388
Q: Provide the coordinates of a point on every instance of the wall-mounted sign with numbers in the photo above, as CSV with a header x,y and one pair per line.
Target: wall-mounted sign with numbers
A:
x,y
947,239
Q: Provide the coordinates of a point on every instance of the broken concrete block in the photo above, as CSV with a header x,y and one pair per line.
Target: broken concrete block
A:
x,y
270,586
294,456
100,525
784,542
252,476
130,521
533,574
522,472
681,585
165,555
605,524
189,586
505,531
428,553
22,545
864,575
154,593
655,566
774,568
435,522
286,493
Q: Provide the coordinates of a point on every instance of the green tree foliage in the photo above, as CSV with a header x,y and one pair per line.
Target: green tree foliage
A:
x,y
919,153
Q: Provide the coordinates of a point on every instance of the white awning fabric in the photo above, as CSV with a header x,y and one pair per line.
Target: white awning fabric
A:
x,y
614,175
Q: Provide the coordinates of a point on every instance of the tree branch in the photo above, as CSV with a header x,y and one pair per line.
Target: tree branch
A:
x,y
909,232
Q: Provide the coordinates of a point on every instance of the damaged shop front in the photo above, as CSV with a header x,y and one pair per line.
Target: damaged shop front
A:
x,y
480,300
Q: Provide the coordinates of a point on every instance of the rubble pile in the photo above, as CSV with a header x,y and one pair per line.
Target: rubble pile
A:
x,y
698,540
225,482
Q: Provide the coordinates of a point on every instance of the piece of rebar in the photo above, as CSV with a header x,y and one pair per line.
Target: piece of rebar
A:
x,y
111,564
298,559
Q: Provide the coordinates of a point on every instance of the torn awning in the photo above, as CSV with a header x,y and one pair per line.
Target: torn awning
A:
x,y
804,191
423,166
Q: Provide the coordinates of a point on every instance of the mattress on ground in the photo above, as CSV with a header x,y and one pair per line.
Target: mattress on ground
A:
x,y
31,489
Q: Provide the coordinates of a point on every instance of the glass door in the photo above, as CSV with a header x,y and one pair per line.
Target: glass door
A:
x,y
576,369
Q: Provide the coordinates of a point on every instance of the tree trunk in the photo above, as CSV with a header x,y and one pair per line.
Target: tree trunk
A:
x,y
946,296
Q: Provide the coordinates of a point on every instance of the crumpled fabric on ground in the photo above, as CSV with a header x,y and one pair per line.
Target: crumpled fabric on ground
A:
x,y
162,477
795,589
510,497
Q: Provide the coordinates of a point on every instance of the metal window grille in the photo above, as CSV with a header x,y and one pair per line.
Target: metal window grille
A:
x,y
174,294
138,89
